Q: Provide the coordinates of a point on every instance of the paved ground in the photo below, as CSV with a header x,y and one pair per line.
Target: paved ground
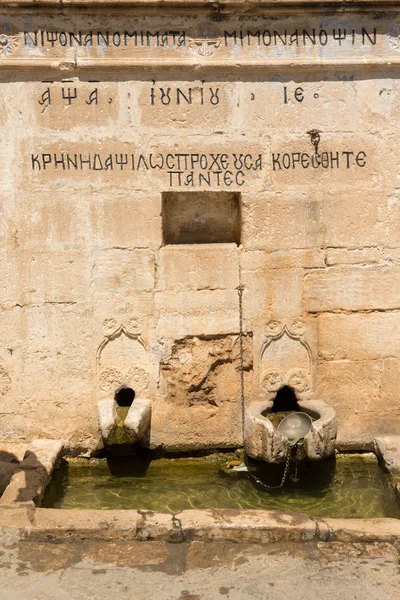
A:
x,y
90,570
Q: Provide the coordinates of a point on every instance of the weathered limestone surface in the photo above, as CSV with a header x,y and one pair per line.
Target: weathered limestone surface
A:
x,y
106,116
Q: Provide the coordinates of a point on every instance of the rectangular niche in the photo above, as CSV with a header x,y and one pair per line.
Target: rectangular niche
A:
x,y
201,217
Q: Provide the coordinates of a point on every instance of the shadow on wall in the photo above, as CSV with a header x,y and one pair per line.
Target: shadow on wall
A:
x,y
30,472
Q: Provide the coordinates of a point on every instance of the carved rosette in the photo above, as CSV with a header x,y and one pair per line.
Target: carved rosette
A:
x,y
299,380
112,379
112,328
9,42
272,380
394,38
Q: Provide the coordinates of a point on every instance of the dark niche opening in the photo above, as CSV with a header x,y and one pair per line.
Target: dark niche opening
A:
x,y
285,400
125,396
201,217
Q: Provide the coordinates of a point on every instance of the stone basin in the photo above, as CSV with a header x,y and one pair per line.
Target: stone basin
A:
x,y
263,441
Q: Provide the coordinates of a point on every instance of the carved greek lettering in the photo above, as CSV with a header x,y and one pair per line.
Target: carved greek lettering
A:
x,y
30,38
69,95
165,96
45,98
367,38
346,159
340,35
93,97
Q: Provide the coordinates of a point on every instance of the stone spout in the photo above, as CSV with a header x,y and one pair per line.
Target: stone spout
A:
x,y
137,421
107,412
135,427
262,441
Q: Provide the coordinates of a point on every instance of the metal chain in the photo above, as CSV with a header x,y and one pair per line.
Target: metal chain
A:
x,y
284,476
240,294
289,450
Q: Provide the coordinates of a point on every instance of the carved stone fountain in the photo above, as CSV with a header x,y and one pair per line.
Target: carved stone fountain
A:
x,y
285,364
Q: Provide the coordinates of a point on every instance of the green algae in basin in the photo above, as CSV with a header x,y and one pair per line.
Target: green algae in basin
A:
x,y
353,486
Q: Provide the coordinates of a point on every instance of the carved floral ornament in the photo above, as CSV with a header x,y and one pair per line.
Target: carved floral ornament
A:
x,y
274,379
394,38
9,41
112,328
112,378
274,329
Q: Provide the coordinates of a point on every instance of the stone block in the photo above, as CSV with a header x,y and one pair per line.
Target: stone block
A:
x,y
122,272
358,337
353,390
198,267
274,222
190,105
62,106
246,526
352,288
388,448
345,160
352,256
391,382
57,276
203,312
125,221
361,219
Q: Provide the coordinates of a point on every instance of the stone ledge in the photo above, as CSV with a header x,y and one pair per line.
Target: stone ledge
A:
x,y
388,450
223,525
32,474
343,4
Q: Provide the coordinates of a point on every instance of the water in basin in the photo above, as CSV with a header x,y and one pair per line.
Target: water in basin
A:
x,y
353,486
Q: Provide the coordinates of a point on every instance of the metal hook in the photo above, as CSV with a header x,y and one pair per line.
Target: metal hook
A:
x,y
315,140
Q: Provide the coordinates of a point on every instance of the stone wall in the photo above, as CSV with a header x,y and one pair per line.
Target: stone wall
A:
x,y
114,119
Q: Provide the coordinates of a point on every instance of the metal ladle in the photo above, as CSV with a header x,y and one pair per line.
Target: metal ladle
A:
x,y
295,426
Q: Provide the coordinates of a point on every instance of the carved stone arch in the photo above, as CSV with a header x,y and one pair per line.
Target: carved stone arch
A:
x,y
122,358
285,358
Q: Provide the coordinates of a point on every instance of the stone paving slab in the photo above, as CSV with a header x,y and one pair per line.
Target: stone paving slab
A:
x,y
200,570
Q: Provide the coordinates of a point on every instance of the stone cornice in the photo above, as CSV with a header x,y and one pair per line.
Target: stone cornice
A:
x,y
375,5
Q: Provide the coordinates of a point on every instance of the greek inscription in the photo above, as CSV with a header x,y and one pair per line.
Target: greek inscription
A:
x,y
104,39
300,37
182,169
297,94
201,96
68,95
326,160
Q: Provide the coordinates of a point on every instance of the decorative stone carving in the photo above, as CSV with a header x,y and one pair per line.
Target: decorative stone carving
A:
x,y
111,378
284,358
122,358
272,380
205,47
132,327
110,327
5,381
263,442
137,378
394,38
9,42
299,380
